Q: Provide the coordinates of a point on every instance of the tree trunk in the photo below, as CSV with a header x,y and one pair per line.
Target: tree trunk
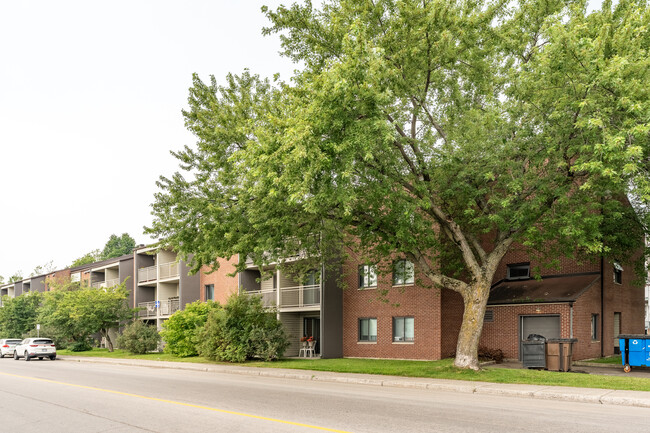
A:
x,y
475,300
109,343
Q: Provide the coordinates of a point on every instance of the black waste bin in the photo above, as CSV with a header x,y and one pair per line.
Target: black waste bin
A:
x,y
533,353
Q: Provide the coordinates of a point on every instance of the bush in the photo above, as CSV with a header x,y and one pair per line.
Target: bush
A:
x,y
179,331
139,338
486,354
242,330
81,345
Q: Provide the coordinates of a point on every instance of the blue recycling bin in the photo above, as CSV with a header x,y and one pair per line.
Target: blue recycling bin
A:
x,y
635,351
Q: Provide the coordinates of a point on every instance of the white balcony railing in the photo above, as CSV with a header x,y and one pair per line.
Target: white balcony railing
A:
x,y
300,296
269,296
166,307
290,297
146,275
108,283
167,270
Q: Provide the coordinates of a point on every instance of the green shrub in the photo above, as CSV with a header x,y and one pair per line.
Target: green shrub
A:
x,y
242,330
81,345
179,331
139,338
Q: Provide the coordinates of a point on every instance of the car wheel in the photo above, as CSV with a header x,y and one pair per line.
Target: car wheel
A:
x,y
52,357
27,358
15,356
40,358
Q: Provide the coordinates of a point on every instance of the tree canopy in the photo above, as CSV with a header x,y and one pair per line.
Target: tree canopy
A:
x,y
116,246
74,312
443,131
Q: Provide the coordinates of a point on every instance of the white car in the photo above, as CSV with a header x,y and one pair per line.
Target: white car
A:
x,y
35,347
7,346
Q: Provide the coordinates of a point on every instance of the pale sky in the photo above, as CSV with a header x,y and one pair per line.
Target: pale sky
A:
x,y
90,106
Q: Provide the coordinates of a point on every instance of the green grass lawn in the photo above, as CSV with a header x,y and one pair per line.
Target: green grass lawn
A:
x,y
426,369
616,359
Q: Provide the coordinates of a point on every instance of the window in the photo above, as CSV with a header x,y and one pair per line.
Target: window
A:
x,y
594,326
312,278
76,277
618,273
489,316
403,329
367,329
403,273
367,276
209,292
518,271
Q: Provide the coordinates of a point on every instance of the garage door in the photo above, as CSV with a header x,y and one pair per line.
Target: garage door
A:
x,y
548,326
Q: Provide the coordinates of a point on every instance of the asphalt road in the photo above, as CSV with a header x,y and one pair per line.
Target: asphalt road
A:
x,y
70,397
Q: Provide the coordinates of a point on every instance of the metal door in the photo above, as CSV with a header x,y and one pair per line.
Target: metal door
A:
x,y
548,326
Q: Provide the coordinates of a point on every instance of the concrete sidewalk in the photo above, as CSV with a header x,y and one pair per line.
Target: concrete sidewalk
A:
x,y
586,395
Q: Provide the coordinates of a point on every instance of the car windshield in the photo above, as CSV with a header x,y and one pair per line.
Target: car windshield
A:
x,y
42,341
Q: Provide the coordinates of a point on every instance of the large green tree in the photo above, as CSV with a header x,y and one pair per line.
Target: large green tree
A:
x,y
76,312
443,131
118,246
18,316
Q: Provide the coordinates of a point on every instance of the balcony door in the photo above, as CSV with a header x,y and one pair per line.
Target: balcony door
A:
x,y
311,328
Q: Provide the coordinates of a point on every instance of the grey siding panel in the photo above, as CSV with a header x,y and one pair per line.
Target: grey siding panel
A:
x,y
292,323
142,294
249,280
18,288
331,345
189,289
38,284
126,274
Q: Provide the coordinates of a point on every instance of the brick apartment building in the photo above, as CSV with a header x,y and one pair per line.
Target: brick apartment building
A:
x,y
592,302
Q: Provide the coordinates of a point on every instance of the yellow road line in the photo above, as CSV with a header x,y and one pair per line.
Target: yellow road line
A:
x,y
196,406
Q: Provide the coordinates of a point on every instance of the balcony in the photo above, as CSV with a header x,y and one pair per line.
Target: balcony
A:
x,y
298,297
168,270
269,297
159,308
108,283
146,275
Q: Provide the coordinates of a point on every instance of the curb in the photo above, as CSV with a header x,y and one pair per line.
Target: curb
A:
x,y
558,393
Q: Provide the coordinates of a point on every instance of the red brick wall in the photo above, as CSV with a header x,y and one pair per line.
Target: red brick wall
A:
x,y
452,317
503,332
517,254
224,285
414,301
58,276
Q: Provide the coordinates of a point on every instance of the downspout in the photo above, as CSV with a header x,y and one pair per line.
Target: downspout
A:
x,y
602,305
571,320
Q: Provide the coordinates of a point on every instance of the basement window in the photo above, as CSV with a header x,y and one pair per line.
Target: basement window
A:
x,y
518,271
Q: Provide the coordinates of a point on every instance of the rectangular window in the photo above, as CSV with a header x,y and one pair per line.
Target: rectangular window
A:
x,y
76,277
209,292
594,326
403,329
518,271
403,273
367,329
618,273
367,276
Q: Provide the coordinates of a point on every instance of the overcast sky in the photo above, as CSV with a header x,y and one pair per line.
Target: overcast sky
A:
x,y
90,106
